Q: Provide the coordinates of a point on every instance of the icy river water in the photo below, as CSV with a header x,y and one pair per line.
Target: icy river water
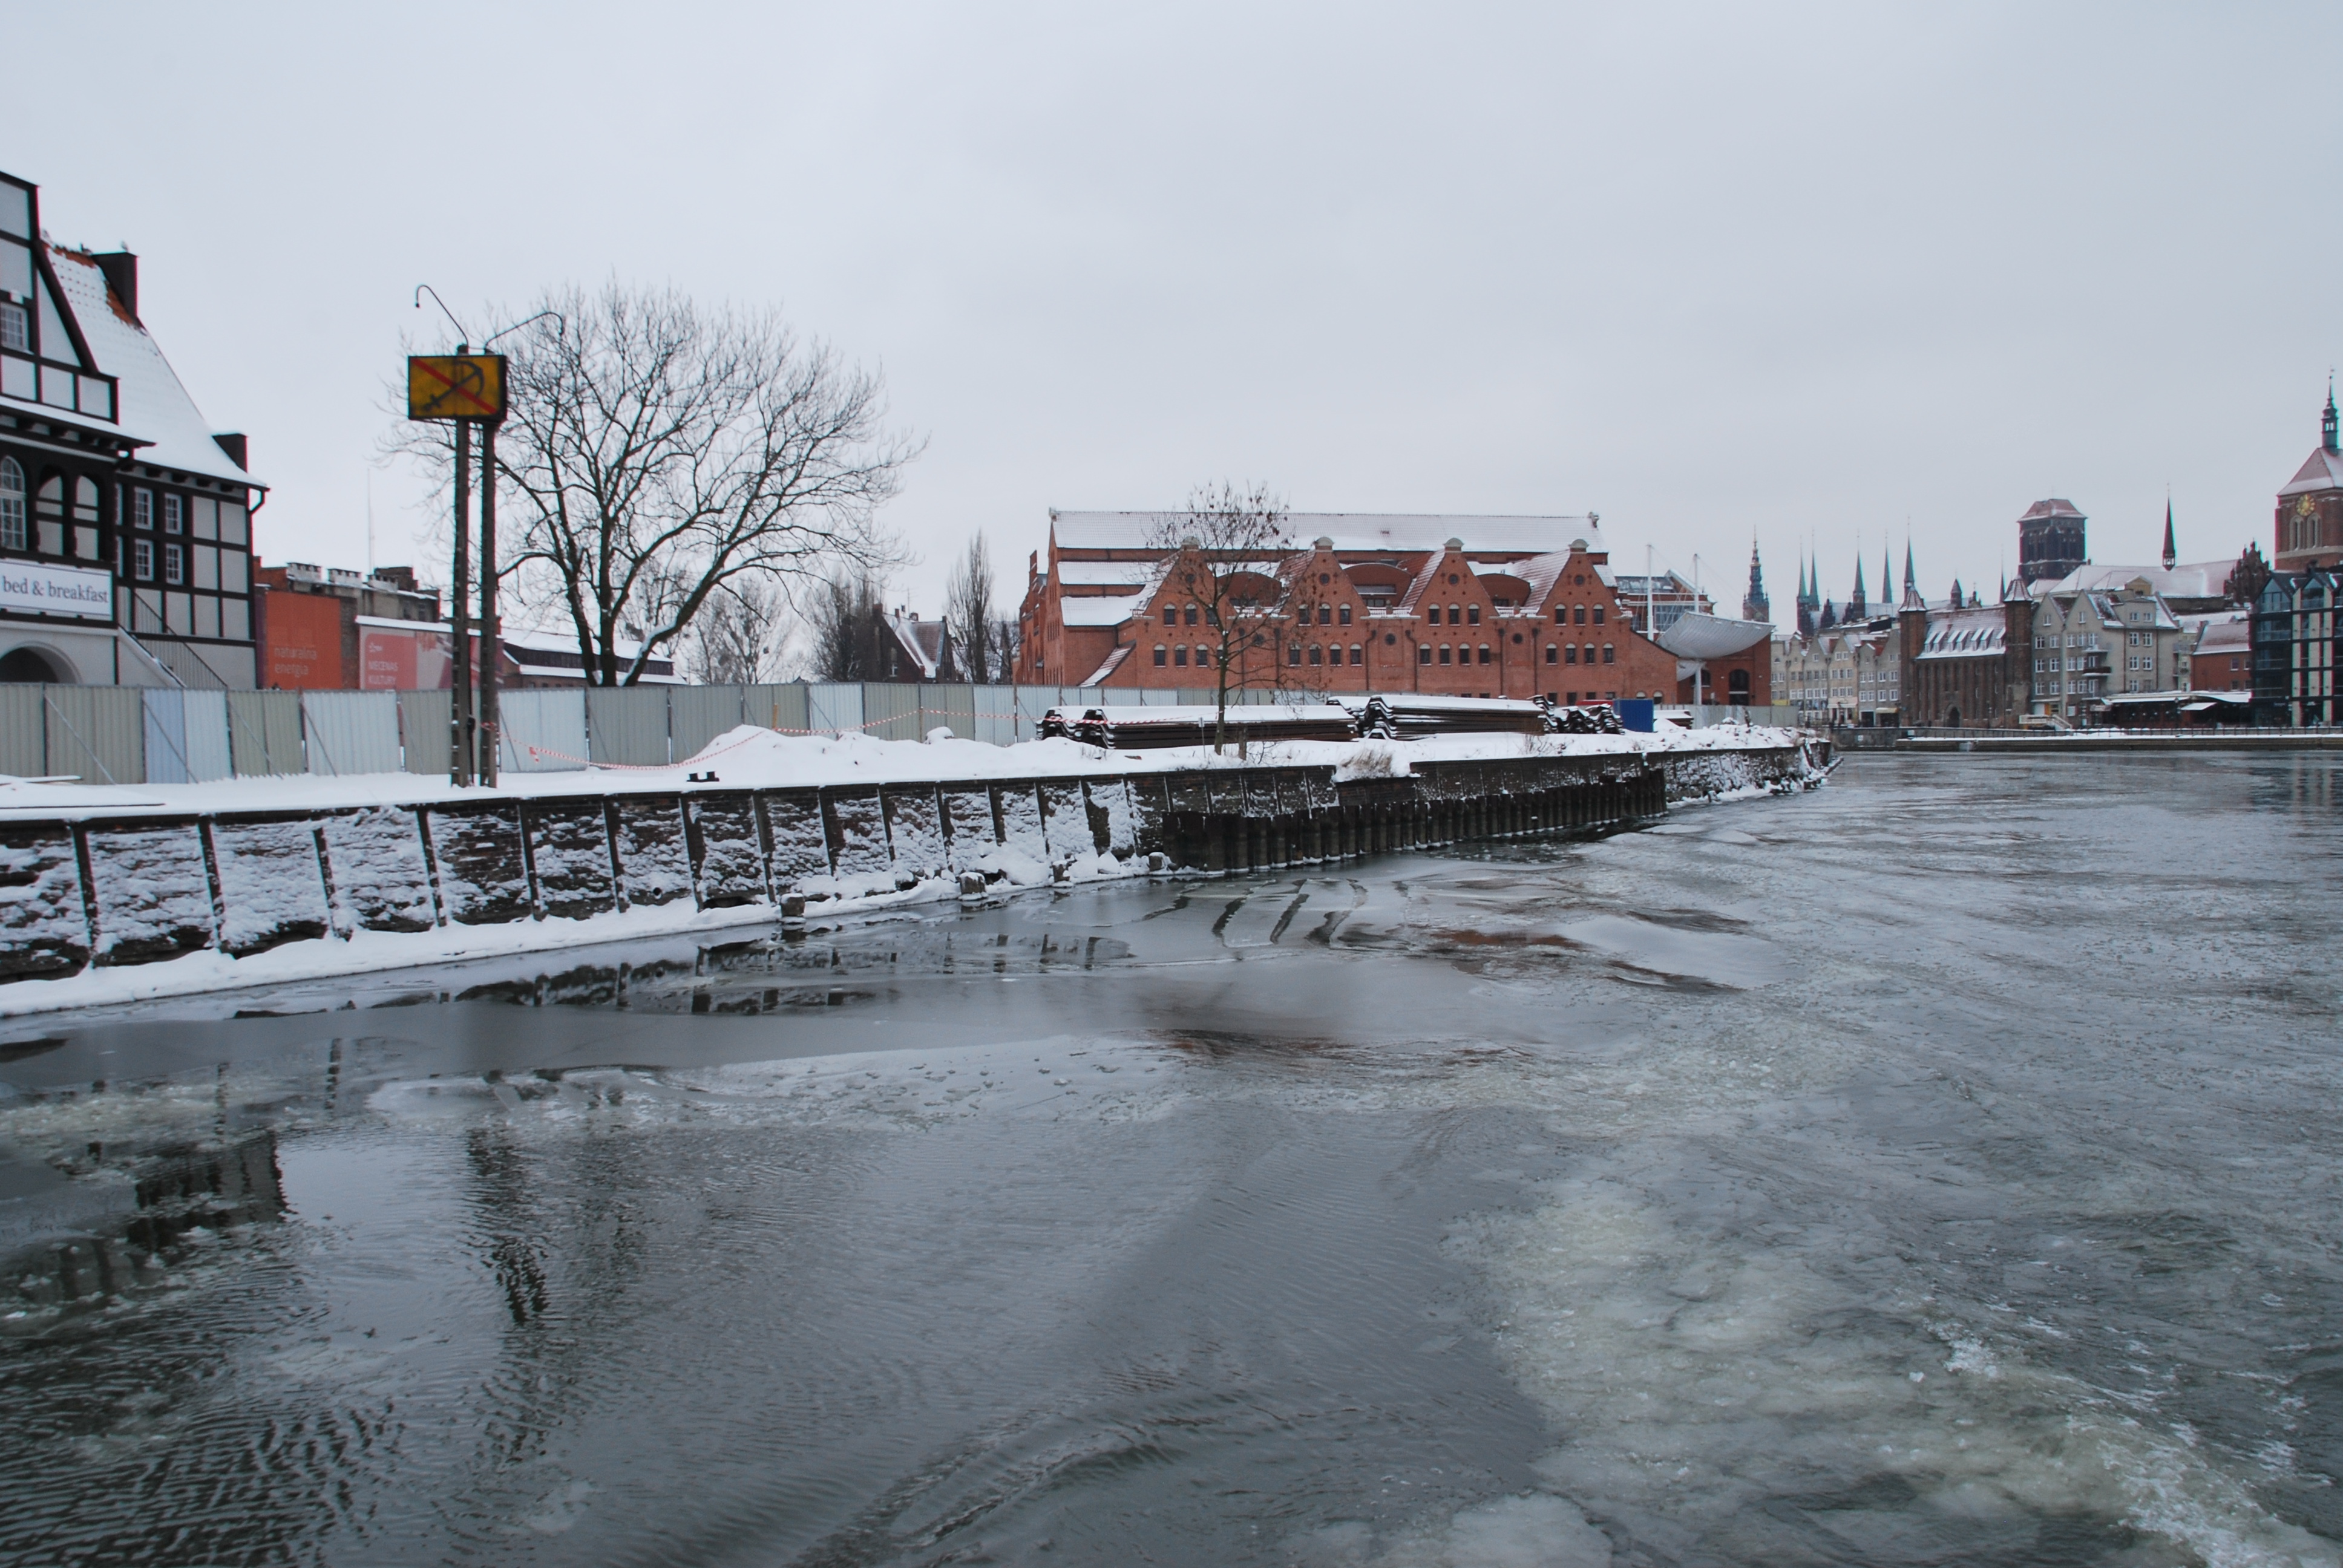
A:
x,y
1939,1167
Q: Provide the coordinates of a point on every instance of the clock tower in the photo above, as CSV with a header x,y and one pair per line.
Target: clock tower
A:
x,y
2310,507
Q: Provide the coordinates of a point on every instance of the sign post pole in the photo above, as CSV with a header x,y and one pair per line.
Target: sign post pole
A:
x,y
459,686
488,652
468,389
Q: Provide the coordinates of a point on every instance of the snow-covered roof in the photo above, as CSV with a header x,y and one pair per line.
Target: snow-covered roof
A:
x,y
1696,635
153,405
2231,633
1113,662
1105,574
1100,610
1352,531
1979,633
2322,470
923,640
2198,579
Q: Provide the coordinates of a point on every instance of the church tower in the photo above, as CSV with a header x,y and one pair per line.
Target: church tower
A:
x,y
2310,509
1754,605
1856,609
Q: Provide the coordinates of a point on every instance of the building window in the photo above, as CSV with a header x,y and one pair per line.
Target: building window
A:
x,y
1180,656
1343,617
14,328
1192,615
1484,653
1325,614
1162,655
175,563
1204,655
1570,653
1171,615
1553,654
1356,656
1561,615
1598,615
1581,614
1456,614
1424,653
142,560
1472,614
1607,654
1443,653
174,516
142,508
1317,654
12,503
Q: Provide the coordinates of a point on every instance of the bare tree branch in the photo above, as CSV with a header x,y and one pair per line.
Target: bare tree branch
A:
x,y
1227,549
654,454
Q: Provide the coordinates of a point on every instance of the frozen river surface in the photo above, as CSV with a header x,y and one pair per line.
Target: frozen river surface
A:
x,y
1938,1168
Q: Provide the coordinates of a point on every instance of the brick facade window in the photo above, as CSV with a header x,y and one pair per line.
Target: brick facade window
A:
x,y
1424,653
1553,654
1162,655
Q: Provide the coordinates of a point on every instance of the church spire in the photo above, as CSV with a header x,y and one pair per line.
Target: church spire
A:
x,y
1856,603
1911,583
1754,605
2327,420
2171,554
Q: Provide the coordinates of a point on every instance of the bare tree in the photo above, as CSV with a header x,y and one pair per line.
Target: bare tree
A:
x,y
968,610
1004,638
738,636
848,621
653,453
1226,549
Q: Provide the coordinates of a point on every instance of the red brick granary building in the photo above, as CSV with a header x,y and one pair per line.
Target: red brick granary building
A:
x,y
1455,605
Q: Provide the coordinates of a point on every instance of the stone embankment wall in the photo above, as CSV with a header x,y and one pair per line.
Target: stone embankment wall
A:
x,y
140,890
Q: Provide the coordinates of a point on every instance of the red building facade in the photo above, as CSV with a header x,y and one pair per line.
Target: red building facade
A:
x,y
1453,606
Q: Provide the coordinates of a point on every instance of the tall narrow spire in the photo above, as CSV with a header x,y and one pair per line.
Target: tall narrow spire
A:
x,y
1754,605
1910,581
2170,553
2327,420
1856,603
1886,575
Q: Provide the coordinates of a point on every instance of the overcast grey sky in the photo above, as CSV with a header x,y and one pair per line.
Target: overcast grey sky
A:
x,y
1811,272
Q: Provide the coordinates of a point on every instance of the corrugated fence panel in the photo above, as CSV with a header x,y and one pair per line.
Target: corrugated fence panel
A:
x,y
23,732
834,708
207,749
98,732
542,731
626,725
781,707
423,730
891,712
996,713
264,733
167,734
947,707
351,731
698,714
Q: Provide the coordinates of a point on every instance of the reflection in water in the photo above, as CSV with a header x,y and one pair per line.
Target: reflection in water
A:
x,y
1781,1186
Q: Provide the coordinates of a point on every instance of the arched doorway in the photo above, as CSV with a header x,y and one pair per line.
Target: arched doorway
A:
x,y
1736,687
1952,718
25,666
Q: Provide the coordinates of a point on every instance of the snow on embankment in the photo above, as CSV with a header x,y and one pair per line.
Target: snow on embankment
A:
x,y
262,881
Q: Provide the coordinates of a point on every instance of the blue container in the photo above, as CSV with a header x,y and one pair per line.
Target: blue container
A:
x,y
1635,713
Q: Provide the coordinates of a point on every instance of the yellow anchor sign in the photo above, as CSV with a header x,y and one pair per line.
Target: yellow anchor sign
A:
x,y
455,386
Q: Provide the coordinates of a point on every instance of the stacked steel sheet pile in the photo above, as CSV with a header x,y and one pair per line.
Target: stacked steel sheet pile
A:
x,y
1419,718
1151,728
1594,718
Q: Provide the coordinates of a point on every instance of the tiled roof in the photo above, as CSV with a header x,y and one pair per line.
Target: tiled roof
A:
x,y
2322,470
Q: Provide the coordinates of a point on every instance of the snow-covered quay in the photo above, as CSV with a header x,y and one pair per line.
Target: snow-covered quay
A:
x,y
113,894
